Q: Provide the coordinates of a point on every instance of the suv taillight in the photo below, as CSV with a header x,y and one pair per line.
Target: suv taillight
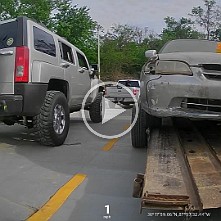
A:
x,y
22,64
135,91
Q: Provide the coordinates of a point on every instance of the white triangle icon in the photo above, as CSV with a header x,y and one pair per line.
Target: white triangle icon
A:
x,y
110,110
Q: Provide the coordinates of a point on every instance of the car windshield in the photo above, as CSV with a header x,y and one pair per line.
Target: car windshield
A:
x,y
130,83
8,34
189,45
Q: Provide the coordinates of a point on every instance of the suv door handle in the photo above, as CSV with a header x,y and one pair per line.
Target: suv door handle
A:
x,y
82,69
64,65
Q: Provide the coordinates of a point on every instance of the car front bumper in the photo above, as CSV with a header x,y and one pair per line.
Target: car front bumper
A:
x,y
183,96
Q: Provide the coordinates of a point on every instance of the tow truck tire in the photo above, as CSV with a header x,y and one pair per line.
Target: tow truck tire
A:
x,y
95,110
138,132
51,125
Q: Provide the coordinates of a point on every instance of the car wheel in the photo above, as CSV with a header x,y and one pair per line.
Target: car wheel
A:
x,y
52,123
138,132
95,110
144,121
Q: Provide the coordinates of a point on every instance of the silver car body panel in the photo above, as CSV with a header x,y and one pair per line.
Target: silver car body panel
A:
x,y
193,58
7,59
195,96
45,67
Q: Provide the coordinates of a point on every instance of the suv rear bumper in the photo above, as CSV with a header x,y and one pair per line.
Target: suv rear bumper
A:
x,y
26,101
10,105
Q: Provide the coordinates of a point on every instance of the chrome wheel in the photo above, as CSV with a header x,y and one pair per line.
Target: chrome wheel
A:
x,y
59,119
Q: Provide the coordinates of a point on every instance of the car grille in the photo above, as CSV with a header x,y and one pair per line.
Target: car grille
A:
x,y
202,104
212,71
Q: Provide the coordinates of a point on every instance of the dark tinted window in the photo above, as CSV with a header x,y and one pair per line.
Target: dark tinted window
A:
x,y
82,60
66,52
8,34
44,42
130,83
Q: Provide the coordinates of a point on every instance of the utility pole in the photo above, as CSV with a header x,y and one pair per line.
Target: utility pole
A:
x,y
98,52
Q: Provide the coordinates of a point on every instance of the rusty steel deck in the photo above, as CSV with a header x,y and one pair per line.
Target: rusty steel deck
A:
x,y
183,170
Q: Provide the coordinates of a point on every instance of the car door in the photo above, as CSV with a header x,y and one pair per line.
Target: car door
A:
x,y
83,81
68,62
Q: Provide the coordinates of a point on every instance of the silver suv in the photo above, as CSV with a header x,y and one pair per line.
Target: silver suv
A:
x,y
43,78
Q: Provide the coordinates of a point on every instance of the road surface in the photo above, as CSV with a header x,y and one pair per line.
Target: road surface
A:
x,y
87,178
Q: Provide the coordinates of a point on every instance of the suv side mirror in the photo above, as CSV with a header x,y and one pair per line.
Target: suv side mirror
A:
x,y
94,70
151,54
94,67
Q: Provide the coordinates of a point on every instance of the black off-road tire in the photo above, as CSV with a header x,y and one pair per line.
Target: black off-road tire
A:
x,y
95,110
43,122
138,132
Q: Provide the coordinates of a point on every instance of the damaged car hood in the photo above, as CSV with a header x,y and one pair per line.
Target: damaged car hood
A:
x,y
193,58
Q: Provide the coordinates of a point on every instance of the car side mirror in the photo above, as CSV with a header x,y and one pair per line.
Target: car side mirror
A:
x,y
151,54
94,70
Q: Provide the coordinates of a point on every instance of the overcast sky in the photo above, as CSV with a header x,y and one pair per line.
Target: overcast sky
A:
x,y
142,13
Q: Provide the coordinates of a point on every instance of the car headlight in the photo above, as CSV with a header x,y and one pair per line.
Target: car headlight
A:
x,y
172,67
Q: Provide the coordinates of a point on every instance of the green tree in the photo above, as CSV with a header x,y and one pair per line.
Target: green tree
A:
x,y
122,51
72,22
216,35
207,17
180,29
40,10
76,25
175,29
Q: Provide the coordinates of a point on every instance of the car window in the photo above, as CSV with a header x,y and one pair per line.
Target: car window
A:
x,y
8,34
66,52
134,84
189,45
130,83
44,42
82,61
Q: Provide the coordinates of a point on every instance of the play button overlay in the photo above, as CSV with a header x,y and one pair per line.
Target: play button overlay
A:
x,y
110,112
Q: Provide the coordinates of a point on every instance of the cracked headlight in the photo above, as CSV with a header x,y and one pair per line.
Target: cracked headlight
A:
x,y
172,67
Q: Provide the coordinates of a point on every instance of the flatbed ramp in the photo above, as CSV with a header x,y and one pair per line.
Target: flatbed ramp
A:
x,y
183,170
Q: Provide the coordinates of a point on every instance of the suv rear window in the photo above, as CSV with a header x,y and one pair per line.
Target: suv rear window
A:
x,y
130,83
8,34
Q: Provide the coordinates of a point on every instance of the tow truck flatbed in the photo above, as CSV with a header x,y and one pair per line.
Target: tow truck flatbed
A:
x,y
183,170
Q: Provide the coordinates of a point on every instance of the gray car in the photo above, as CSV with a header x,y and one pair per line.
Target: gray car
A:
x,y
183,80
